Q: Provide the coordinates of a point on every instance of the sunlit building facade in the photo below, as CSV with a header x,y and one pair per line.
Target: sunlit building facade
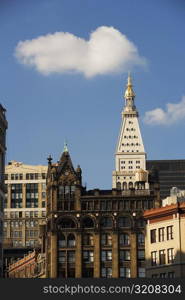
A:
x,y
25,207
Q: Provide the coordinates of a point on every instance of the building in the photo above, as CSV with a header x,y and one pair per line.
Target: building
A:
x,y
164,241
3,128
171,173
25,208
130,156
100,233
31,266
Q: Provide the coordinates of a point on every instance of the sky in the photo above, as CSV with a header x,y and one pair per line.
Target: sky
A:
x,y
63,71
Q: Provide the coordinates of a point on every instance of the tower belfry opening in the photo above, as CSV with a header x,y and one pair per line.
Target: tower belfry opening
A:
x,y
130,157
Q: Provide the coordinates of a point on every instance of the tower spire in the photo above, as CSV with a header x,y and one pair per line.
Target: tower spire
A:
x,y
129,93
129,97
65,147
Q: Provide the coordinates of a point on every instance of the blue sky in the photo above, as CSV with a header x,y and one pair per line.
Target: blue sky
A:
x,y
44,110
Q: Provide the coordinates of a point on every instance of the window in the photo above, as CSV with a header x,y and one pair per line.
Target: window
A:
x,y
163,275
61,241
169,232
124,222
141,254
140,239
162,258
106,239
125,272
155,275
43,175
61,257
141,272
153,236
140,222
88,256
66,223
154,258
43,213
43,195
71,256
124,239
88,239
87,222
71,240
16,195
124,255
106,272
32,195
171,274
106,255
170,255
27,214
161,234
106,222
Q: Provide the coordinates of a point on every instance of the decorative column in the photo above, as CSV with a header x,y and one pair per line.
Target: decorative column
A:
x,y
115,256
53,255
133,255
97,249
78,260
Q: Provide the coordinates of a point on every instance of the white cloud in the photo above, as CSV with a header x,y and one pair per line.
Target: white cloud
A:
x,y
106,51
173,114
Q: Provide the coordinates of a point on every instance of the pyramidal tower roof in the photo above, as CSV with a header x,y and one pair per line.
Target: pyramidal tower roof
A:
x,y
65,161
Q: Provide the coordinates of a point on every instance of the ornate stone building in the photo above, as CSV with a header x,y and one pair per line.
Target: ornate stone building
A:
x,y
3,128
100,233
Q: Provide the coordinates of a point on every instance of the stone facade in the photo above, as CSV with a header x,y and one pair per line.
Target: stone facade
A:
x,y
97,233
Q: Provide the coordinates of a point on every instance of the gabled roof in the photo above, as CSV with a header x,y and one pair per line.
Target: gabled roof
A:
x,y
65,163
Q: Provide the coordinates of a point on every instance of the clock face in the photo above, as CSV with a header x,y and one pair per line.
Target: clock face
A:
x,y
66,173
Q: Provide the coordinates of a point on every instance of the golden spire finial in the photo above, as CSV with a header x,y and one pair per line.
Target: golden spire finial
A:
x,y
129,90
129,79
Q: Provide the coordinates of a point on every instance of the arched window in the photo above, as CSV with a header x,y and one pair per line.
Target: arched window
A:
x,y
106,239
61,241
71,240
124,222
130,185
87,222
118,185
124,239
124,186
66,223
106,222
88,239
